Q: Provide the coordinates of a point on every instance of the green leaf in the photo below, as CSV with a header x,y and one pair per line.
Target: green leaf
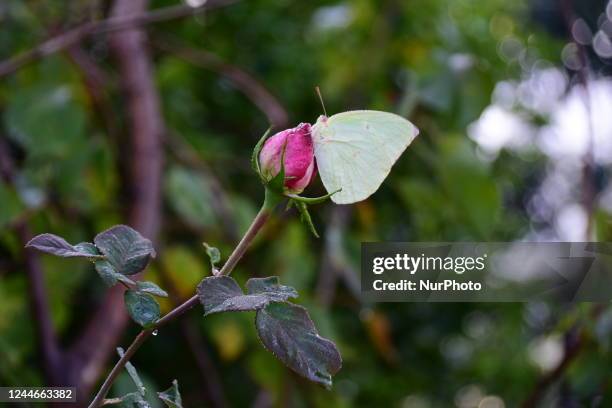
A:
x,y
256,151
126,250
106,272
37,115
142,307
287,331
213,254
125,279
58,246
270,288
222,294
277,183
129,367
171,396
88,248
152,288
109,275
305,217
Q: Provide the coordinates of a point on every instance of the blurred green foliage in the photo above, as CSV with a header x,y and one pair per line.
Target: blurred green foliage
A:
x,y
434,61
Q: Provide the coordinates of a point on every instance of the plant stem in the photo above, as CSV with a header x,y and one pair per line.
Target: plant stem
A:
x,y
259,221
138,340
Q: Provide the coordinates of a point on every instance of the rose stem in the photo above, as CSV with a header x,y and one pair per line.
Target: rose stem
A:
x,y
259,221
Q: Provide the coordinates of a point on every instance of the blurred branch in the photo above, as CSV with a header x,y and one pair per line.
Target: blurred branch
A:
x,y
94,77
246,83
41,317
145,122
41,312
575,341
208,372
96,82
145,126
126,21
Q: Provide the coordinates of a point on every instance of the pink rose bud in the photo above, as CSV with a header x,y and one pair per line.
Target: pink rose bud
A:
x,y
299,157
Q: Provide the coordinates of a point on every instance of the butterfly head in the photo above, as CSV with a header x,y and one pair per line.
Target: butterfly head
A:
x,y
321,129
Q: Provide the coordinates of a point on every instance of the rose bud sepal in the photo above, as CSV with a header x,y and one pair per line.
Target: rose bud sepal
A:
x,y
255,155
302,203
305,217
312,200
273,194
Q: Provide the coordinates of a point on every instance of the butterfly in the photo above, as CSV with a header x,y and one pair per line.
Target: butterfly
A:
x,y
355,151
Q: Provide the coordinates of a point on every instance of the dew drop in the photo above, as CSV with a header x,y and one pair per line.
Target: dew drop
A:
x,y
155,332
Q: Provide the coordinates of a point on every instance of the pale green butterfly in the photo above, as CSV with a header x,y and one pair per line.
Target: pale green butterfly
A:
x,y
355,151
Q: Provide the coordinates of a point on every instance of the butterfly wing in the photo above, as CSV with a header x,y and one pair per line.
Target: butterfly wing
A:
x,y
355,151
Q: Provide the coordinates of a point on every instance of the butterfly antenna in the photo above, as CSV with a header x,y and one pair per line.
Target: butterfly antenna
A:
x,y
321,99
